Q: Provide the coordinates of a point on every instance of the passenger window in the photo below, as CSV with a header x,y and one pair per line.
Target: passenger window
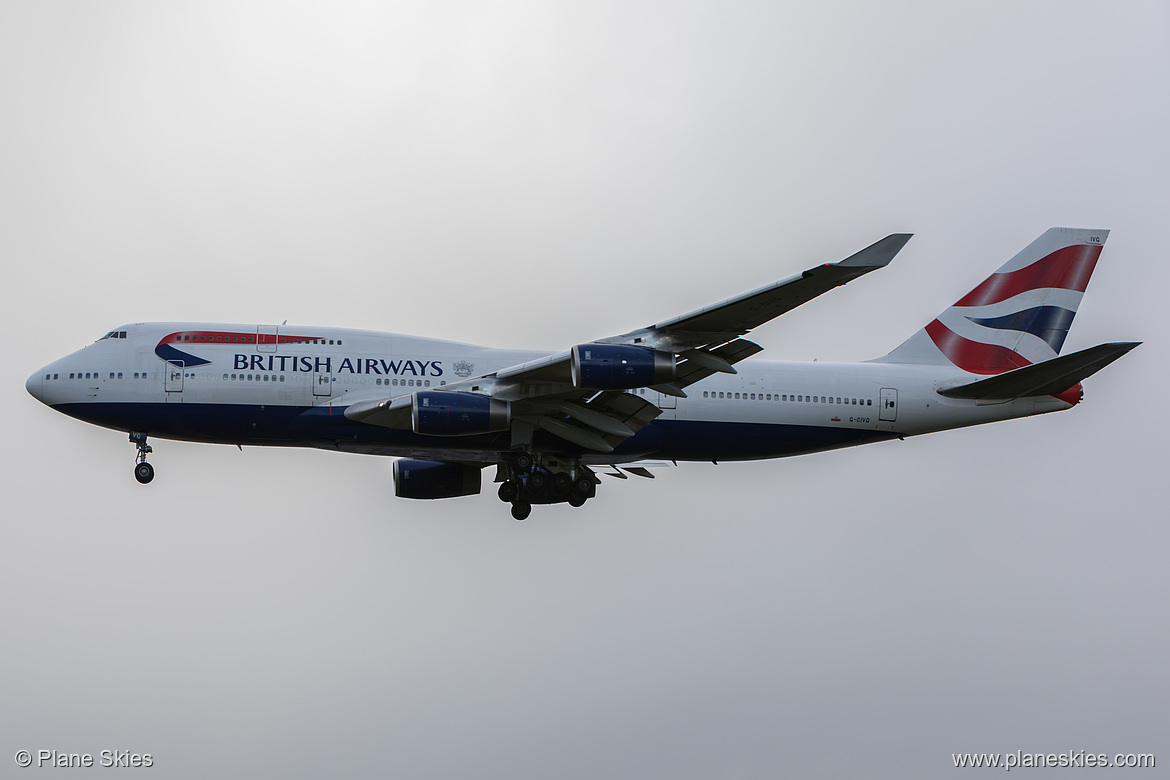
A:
x,y
282,377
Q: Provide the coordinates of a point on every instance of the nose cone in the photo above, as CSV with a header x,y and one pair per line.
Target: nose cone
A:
x,y
33,385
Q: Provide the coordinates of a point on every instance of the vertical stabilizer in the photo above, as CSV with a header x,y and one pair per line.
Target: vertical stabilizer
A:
x,y
1019,315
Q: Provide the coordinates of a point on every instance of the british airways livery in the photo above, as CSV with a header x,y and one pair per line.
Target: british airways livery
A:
x,y
549,422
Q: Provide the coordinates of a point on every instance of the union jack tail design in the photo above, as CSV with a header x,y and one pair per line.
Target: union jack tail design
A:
x,y
1019,315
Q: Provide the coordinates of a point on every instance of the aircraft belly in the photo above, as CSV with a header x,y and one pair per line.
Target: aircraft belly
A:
x,y
328,428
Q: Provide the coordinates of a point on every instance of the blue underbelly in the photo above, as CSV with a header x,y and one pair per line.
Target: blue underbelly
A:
x,y
321,426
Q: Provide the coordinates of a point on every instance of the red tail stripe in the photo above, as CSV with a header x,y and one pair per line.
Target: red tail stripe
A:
x,y
972,356
1068,269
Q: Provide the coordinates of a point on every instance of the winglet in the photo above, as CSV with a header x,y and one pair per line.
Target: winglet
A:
x,y
879,254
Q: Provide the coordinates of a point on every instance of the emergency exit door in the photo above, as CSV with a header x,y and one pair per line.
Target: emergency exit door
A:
x,y
889,400
173,376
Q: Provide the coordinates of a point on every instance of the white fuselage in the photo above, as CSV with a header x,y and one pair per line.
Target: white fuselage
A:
x,y
244,384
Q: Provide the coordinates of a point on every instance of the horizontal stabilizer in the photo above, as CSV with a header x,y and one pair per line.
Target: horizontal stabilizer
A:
x,y
1051,377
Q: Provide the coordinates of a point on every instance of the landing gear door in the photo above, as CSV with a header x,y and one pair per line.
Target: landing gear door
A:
x,y
173,377
889,410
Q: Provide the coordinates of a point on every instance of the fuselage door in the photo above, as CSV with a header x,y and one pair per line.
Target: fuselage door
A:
x,y
322,385
889,410
266,337
173,376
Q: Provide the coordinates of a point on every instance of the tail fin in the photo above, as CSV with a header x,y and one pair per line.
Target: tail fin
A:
x,y
1019,315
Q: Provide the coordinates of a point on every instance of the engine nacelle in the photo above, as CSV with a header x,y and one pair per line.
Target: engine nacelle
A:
x,y
434,479
620,366
442,413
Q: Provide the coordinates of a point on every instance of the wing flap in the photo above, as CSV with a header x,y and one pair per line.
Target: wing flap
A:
x,y
694,370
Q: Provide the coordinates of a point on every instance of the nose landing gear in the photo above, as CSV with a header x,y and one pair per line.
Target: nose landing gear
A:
x,y
143,471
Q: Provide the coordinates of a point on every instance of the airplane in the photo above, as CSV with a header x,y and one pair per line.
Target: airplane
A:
x,y
549,422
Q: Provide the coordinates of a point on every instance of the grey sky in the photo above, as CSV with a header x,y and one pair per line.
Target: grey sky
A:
x,y
536,175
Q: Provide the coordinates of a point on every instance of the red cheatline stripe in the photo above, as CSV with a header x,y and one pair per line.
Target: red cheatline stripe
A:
x,y
222,336
1067,269
973,356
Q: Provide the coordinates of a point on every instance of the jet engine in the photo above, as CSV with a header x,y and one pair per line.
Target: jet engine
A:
x,y
414,478
442,413
620,366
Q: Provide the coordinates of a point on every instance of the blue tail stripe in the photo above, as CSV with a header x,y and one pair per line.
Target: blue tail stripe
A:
x,y
1050,323
177,357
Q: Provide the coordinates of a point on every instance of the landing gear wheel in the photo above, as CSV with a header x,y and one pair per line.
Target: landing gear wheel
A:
x,y
523,462
536,481
583,485
143,471
508,491
561,481
576,500
521,510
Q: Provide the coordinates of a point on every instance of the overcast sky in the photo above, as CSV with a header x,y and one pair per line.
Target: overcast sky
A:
x,y
537,175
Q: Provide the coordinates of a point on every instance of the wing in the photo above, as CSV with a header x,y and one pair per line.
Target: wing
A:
x,y
562,394
736,316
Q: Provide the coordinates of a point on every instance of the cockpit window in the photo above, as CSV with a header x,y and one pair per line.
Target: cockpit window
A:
x,y
114,334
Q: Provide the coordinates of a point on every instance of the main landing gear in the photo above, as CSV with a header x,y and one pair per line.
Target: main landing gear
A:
x,y
549,480
143,471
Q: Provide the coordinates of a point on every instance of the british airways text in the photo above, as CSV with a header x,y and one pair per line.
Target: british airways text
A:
x,y
324,365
